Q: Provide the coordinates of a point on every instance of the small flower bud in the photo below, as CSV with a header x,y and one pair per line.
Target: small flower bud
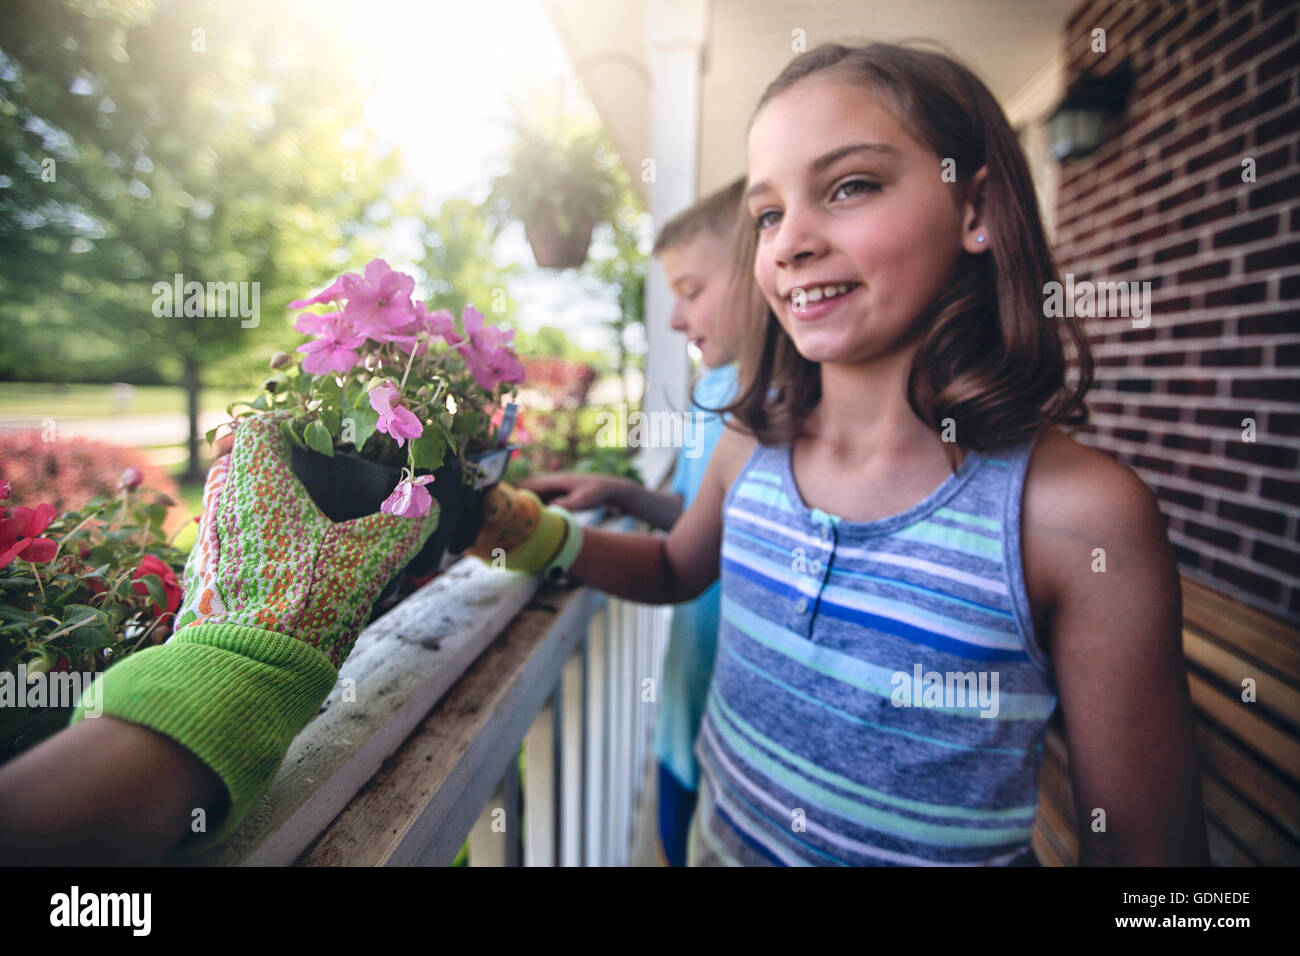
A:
x,y
373,363
280,359
131,479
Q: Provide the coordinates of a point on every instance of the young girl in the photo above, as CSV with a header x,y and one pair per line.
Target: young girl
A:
x,y
916,563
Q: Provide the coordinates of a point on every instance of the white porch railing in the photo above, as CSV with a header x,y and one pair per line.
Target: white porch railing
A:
x,y
417,747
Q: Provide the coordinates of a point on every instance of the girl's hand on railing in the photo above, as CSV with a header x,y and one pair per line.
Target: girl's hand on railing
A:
x,y
519,532
275,595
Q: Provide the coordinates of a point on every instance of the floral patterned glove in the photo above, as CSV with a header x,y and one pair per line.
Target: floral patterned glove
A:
x,y
275,596
266,557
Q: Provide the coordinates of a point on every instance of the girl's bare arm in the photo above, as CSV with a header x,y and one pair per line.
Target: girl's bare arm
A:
x,y
667,570
1116,646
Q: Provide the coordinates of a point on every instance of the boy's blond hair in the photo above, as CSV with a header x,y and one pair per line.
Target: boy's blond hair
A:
x,y
716,212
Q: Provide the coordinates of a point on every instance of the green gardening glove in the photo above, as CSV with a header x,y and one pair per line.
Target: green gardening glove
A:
x,y
275,595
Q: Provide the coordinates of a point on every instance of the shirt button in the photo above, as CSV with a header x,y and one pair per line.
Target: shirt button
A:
x,y
801,605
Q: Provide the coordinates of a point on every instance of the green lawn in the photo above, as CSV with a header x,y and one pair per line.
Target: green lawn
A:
x,y
40,399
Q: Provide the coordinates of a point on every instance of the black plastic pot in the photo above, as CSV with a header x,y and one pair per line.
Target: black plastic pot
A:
x,y
346,487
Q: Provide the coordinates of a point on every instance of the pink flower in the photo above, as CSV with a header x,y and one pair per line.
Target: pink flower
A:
x,y
131,479
380,303
409,499
19,535
335,350
4,489
171,587
337,289
441,323
396,421
489,357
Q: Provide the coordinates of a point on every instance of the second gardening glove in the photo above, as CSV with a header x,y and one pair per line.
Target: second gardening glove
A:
x,y
275,595
522,534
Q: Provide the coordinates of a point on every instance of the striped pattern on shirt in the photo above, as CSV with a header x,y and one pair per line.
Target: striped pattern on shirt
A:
x,y
878,696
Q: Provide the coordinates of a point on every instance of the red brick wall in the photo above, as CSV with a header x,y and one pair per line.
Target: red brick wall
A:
x,y
1163,201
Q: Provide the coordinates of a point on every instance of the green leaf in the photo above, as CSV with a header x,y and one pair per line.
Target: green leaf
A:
x,y
429,449
329,417
302,383
259,403
12,614
364,419
211,433
157,514
328,388
319,439
154,586
91,627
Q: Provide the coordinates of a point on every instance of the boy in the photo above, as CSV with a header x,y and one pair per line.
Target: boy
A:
x,y
694,248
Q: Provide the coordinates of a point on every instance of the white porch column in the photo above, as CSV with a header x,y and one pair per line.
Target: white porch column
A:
x,y
676,33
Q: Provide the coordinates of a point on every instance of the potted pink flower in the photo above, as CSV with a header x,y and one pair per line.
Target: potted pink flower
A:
x,y
391,406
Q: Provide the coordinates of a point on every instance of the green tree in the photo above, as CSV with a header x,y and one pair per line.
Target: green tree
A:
x,y
458,263
216,139
622,273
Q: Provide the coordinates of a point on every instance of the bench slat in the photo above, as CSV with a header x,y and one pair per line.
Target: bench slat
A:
x,y
1251,829
1274,695
1257,783
1243,627
1250,729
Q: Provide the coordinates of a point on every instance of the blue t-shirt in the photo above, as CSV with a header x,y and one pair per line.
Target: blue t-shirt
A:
x,y
693,637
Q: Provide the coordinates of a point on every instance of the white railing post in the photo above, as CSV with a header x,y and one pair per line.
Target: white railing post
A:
x,y
597,733
539,789
573,767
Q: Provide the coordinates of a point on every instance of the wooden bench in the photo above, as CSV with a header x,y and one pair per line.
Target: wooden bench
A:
x,y
1250,752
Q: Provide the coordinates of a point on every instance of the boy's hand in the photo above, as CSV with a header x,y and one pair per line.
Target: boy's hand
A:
x,y
575,491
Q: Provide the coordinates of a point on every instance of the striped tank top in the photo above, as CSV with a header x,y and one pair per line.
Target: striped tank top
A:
x,y
878,696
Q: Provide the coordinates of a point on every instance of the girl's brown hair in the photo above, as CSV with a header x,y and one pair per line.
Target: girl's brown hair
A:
x,y
989,359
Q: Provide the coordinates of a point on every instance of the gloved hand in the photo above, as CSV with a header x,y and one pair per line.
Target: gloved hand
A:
x,y
274,597
518,528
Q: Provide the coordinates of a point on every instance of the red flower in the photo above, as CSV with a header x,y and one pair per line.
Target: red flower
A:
x,y
4,489
20,535
171,587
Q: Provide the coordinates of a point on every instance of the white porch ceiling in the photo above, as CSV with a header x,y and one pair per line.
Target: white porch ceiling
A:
x,y
1013,45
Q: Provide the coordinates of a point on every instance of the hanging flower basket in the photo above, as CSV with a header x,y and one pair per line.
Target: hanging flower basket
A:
x,y
555,249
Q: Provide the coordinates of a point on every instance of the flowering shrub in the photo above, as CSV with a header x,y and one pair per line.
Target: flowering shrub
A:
x,y
396,382
71,471
89,586
559,423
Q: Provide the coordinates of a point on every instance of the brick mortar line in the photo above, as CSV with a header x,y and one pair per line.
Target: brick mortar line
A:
x,y
1064,241
1155,165
1243,561
1279,609
1249,470
1248,534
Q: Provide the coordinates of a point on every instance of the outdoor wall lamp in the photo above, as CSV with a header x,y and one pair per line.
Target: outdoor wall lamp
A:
x,y
1078,124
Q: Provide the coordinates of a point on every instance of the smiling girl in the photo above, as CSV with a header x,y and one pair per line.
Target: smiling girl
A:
x,y
901,527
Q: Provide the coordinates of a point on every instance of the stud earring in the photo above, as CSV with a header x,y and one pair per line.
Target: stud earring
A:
x,y
979,238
